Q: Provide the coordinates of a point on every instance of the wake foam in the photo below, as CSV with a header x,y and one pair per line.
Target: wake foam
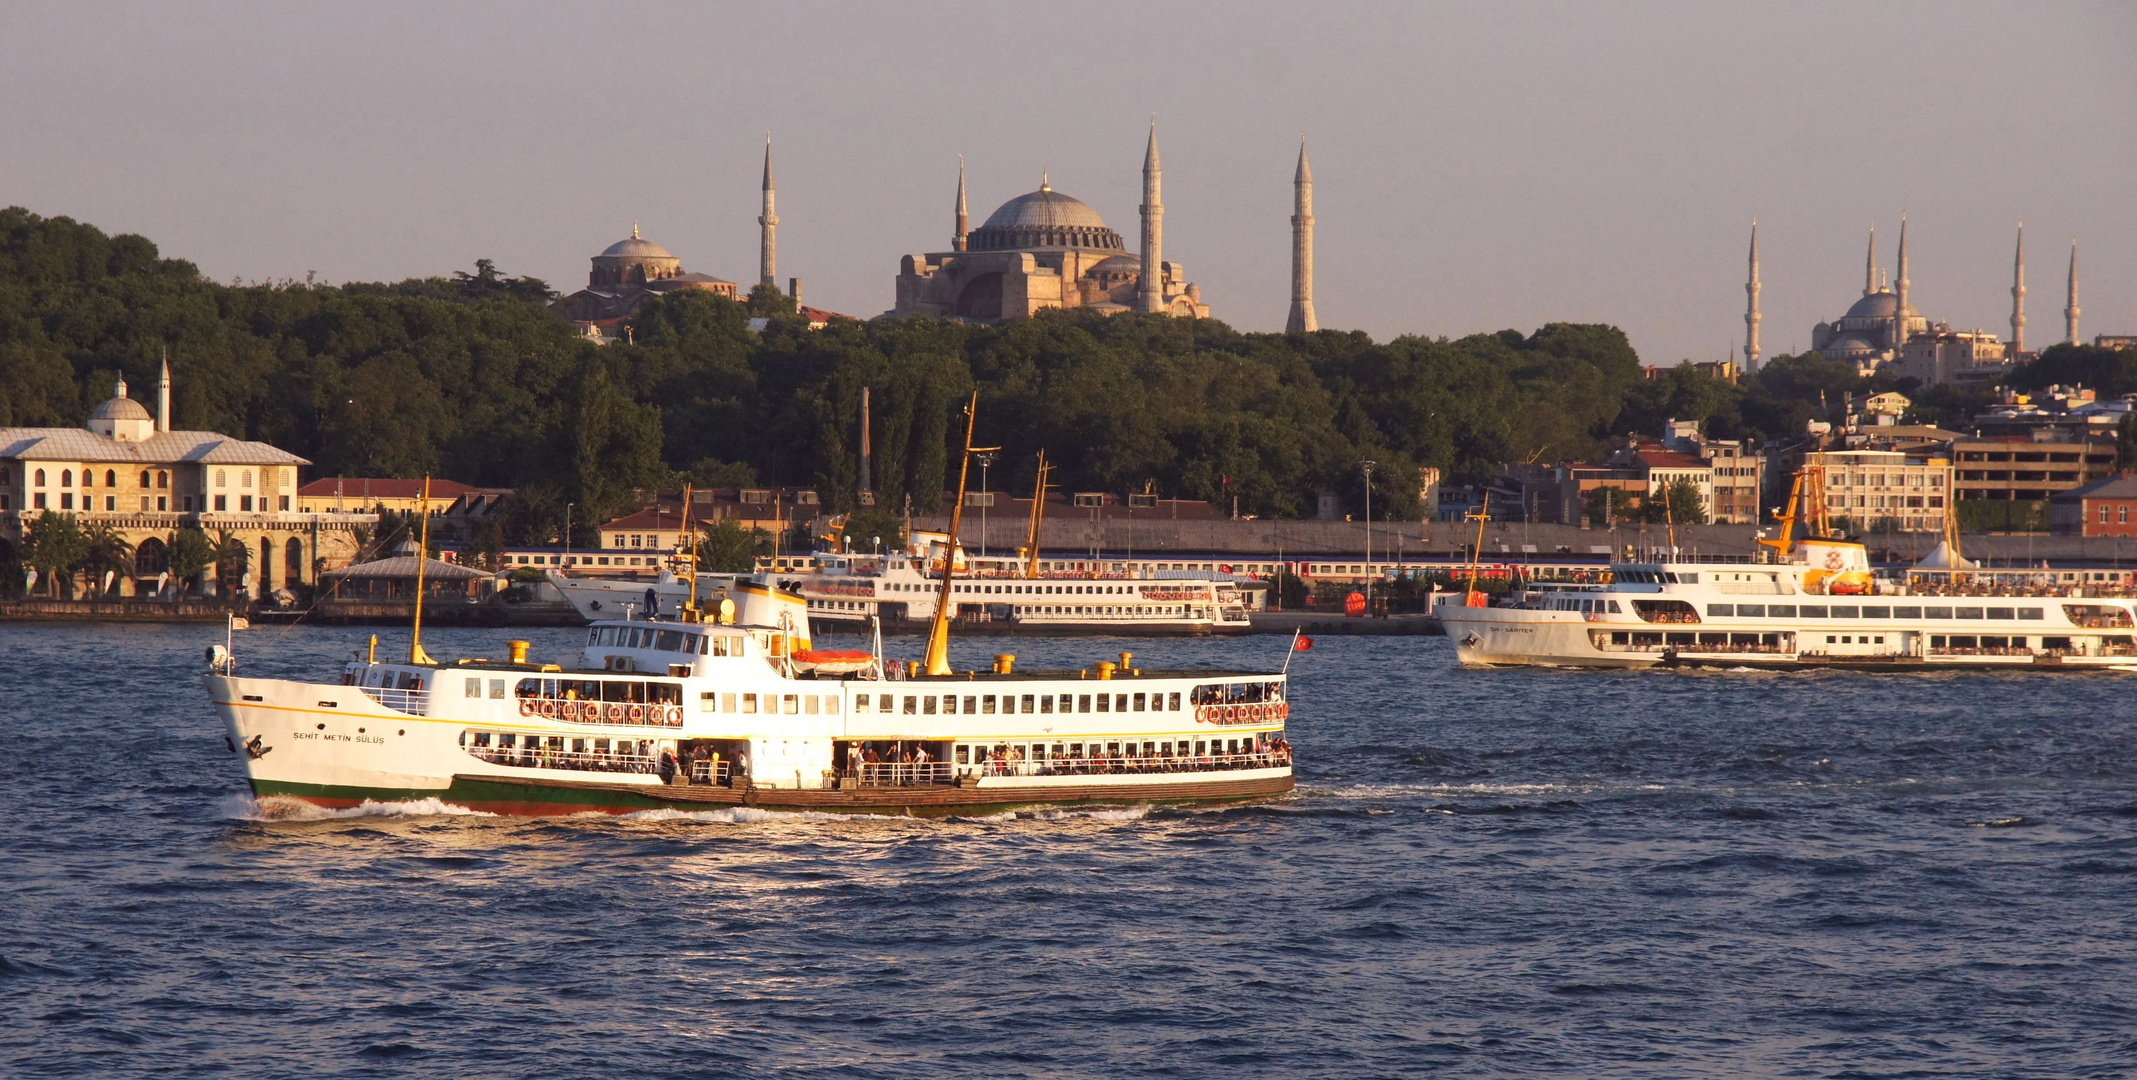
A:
x,y
283,808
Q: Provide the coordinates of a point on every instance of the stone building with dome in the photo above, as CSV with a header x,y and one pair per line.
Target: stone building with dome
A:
x,y
1046,249
127,470
625,275
1882,330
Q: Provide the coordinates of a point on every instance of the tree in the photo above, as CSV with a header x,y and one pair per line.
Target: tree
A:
x,y
54,545
726,548
191,554
2126,442
105,551
865,527
1610,505
1678,502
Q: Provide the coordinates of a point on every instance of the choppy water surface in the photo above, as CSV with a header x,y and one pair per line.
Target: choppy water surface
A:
x,y
1494,872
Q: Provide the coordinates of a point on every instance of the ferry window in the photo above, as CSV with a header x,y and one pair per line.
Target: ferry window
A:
x,y
1880,639
1027,704
1847,612
507,740
1120,703
912,704
1009,703
1175,705
1903,612
2031,613
593,636
1963,641
1046,704
883,704
528,688
964,754
2002,613
1614,610
709,701
749,703
1083,702
1936,613
830,704
793,705
474,688
986,704
727,703
1721,609
810,704
1966,613
949,704
482,738
669,641
1105,703
927,704
1781,611
1812,611
1876,613
1139,704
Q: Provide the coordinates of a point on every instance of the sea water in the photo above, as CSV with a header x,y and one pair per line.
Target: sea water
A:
x,y
1483,872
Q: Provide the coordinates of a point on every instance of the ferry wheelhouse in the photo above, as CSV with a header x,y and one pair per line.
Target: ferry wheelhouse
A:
x,y
735,707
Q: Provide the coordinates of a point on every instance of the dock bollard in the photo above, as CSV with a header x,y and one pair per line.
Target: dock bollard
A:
x,y
1105,669
1005,663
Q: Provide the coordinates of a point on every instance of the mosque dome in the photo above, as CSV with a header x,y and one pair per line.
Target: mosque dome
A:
x,y
121,408
635,247
1044,219
1879,305
1848,345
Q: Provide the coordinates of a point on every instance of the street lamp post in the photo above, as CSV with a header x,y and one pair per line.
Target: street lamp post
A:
x,y
1368,467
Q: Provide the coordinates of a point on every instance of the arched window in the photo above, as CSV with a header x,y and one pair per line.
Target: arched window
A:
x,y
144,478
244,478
293,561
221,479
163,479
66,478
40,478
151,558
111,478
88,477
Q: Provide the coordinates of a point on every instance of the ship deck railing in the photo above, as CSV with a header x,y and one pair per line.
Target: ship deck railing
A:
x,y
1128,764
412,702
523,757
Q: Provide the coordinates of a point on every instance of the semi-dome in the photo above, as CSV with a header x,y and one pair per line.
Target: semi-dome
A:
x,y
1849,344
1044,219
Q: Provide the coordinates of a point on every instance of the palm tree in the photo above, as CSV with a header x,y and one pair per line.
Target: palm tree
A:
x,y
229,549
191,553
105,550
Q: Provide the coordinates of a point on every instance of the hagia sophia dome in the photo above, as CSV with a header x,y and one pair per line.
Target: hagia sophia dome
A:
x,y
1044,219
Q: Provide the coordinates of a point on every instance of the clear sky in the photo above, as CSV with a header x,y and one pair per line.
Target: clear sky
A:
x,y
1477,167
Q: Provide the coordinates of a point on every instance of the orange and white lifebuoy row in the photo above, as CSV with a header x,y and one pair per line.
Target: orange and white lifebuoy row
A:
x,y
1242,714
603,712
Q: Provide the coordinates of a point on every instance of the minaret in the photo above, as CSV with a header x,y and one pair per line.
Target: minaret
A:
x,y
1751,305
1302,320
2018,296
1153,228
1869,264
2070,311
964,219
1899,294
163,396
768,256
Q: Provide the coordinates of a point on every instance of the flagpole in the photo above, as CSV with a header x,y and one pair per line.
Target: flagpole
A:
x,y
1289,653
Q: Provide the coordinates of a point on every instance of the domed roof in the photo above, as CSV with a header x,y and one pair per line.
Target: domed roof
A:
x,y
121,408
1044,219
636,247
1878,305
1045,208
1849,343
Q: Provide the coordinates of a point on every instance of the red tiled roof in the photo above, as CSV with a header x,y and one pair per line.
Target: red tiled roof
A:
x,y
1669,459
360,487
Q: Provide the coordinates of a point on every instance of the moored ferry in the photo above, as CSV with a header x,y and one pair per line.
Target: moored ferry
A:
x,y
1815,603
733,706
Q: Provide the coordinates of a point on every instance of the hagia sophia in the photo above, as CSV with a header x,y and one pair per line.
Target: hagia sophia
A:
x,y
1043,249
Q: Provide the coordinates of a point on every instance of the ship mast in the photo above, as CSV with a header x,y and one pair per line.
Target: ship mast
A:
x,y
938,654
690,612
1038,516
416,655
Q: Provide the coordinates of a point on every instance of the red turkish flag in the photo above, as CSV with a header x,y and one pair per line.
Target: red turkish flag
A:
x,y
1302,644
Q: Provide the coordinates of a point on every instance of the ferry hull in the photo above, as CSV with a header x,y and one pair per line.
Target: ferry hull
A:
x,y
513,796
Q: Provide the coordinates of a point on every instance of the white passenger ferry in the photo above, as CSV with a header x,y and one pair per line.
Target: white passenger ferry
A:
x,y
1816,604
992,595
736,707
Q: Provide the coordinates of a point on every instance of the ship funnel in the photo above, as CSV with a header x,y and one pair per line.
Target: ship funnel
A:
x,y
519,651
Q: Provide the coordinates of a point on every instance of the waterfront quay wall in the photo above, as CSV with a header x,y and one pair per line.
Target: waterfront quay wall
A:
x,y
116,610
1503,542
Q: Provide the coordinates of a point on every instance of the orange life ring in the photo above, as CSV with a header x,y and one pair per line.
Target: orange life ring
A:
x,y
612,713
548,709
526,706
638,713
574,710
675,716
